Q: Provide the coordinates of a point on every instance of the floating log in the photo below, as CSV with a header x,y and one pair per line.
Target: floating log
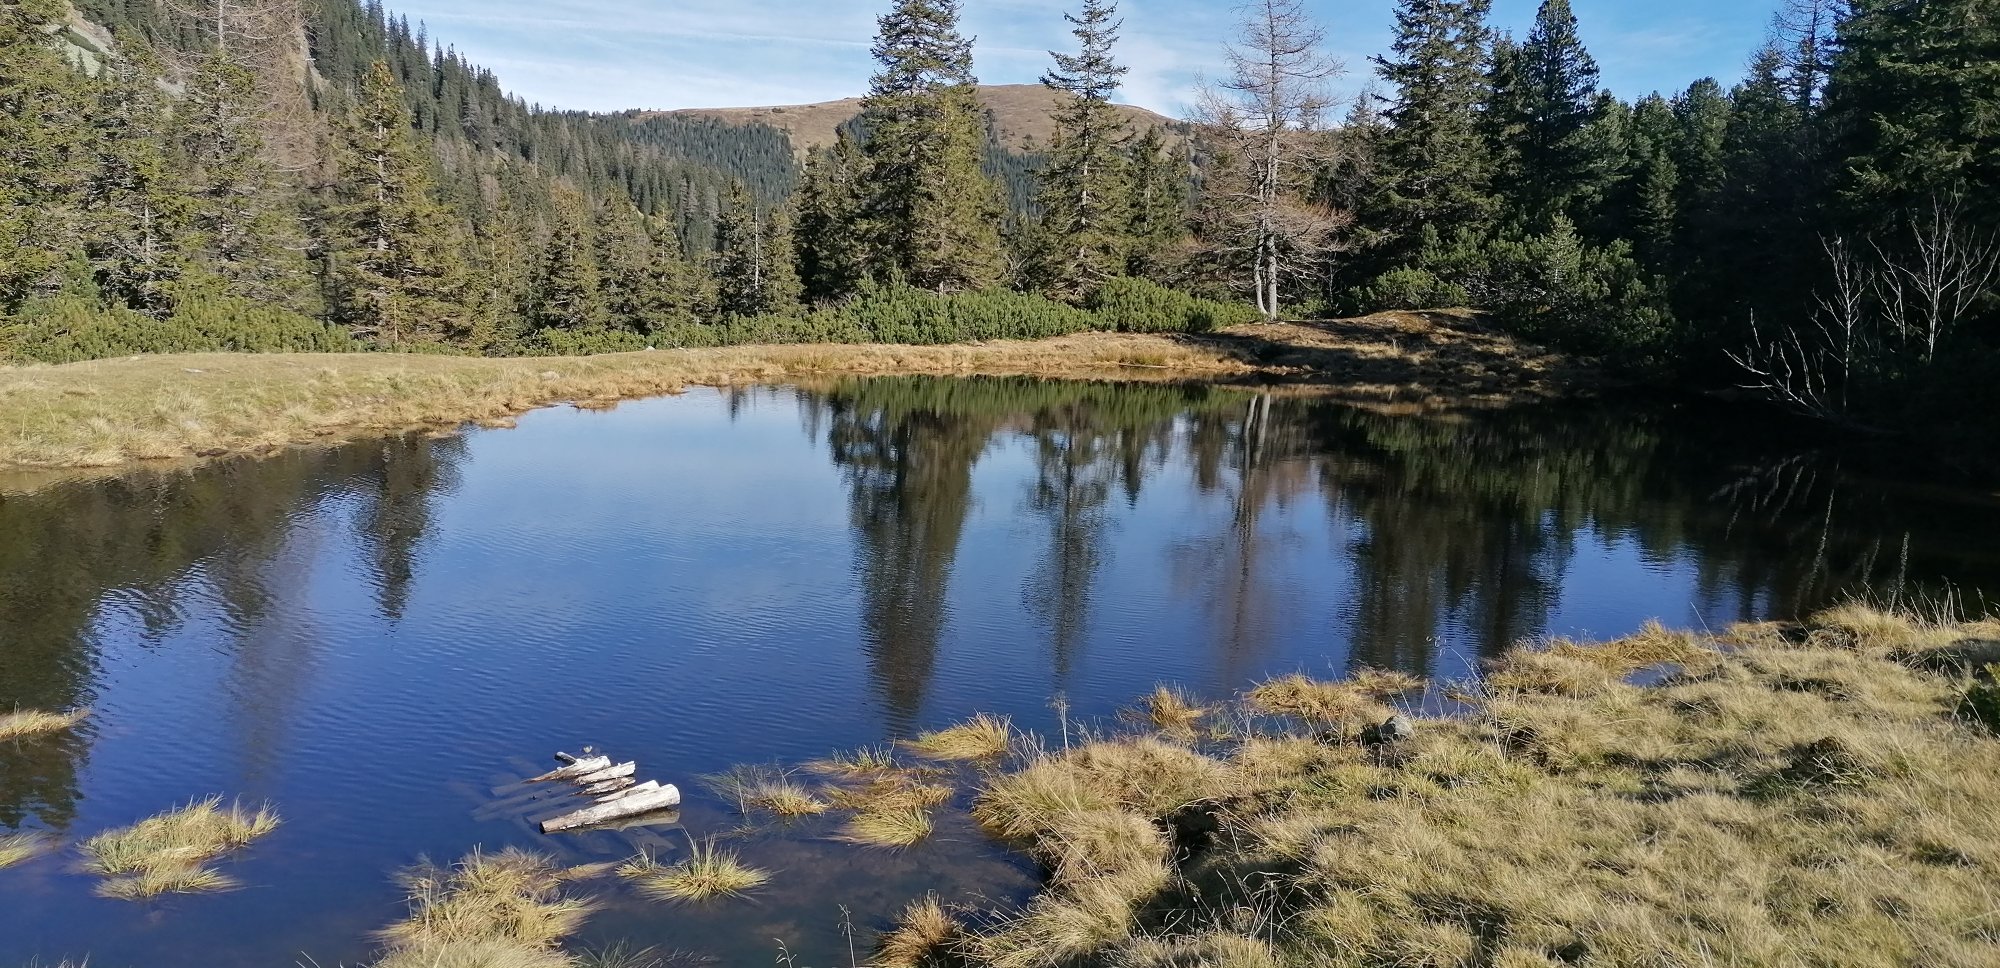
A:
x,y
583,767
608,786
608,773
646,787
619,809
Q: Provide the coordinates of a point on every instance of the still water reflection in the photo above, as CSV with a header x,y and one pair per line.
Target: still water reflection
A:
x,y
370,635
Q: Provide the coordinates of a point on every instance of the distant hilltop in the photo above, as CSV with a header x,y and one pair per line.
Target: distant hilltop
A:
x,y
1022,117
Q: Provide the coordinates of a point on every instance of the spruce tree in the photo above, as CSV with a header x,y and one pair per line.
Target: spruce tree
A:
x,y
1553,100
568,290
1912,104
754,266
135,205
930,214
240,229
397,276
1433,167
832,253
1158,209
44,146
1083,192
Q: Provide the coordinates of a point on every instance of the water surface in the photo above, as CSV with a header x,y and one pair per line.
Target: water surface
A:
x,y
372,636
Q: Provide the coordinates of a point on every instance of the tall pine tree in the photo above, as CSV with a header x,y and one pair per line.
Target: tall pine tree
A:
x,y
1431,165
1083,191
1547,100
930,214
398,279
832,255
754,265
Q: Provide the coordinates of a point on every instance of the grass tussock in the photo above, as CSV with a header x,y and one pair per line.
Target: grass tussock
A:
x,y
24,723
165,854
503,910
708,873
1170,710
865,763
769,789
983,737
900,827
1810,797
23,846
891,793
925,936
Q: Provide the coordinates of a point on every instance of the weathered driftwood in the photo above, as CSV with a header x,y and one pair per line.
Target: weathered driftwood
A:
x,y
646,787
582,767
608,773
608,786
625,806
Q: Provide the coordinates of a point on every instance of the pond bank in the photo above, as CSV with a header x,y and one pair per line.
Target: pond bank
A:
x,y
1786,794
113,413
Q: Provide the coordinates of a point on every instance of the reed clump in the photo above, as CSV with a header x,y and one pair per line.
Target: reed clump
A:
x,y
925,936
165,854
508,909
767,788
23,846
707,873
1817,794
894,827
24,723
1170,710
983,737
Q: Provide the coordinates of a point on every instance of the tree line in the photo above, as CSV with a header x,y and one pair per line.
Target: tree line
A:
x,y
1822,229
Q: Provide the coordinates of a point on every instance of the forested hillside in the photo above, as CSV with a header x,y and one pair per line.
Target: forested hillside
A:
x,y
261,174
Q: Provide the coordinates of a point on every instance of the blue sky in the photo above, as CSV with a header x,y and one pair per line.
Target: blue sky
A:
x,y
614,54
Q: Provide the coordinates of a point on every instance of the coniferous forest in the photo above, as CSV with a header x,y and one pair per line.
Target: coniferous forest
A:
x,y
322,175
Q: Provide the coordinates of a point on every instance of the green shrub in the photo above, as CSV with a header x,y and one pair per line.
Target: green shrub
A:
x,y
68,329
1981,702
582,342
1141,306
1412,288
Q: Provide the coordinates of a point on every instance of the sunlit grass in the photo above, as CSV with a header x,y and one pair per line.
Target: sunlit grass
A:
x,y
1170,710
983,737
23,723
502,910
766,788
23,846
902,827
165,854
924,935
1813,794
707,873
894,792
863,763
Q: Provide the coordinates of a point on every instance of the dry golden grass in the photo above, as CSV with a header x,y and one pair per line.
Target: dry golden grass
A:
x,y
1322,705
165,854
767,788
502,910
708,872
23,723
923,937
1170,710
23,846
1775,802
107,413
891,792
864,763
110,413
898,827
982,737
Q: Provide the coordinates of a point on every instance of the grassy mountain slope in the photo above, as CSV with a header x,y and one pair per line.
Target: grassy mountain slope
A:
x,y
1022,117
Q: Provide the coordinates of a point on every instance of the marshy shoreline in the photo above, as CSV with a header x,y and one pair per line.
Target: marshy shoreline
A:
x,y
1776,793
110,415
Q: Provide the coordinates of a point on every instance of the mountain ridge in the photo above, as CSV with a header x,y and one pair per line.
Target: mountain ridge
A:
x,y
1023,117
